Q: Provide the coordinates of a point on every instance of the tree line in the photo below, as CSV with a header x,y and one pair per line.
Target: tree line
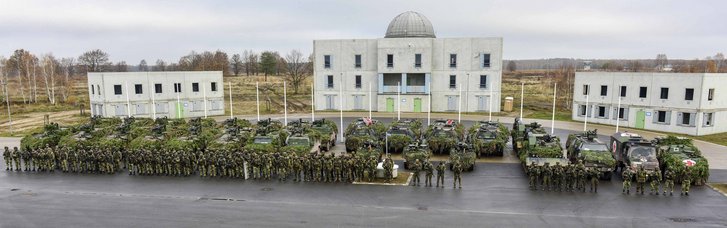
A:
x,y
709,64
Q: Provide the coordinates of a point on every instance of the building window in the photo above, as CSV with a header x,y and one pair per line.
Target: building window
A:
x,y
623,91
664,93
585,89
357,60
117,89
453,81
483,81
663,117
710,95
601,111
485,60
92,90
98,88
177,87
582,110
213,86
138,89
358,81
417,60
708,119
642,92
329,82
686,118
389,60
689,94
622,114
195,87
604,90
452,60
326,61
158,88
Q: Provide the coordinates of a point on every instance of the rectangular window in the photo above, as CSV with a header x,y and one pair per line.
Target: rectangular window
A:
x,y
92,90
664,93
452,60
453,81
582,110
138,89
623,91
98,88
621,113
689,94
485,60
710,95
195,87
708,119
585,89
213,86
661,117
389,60
326,61
601,111
417,60
177,87
642,92
158,88
117,89
686,118
604,90
358,81
329,82
357,61
483,81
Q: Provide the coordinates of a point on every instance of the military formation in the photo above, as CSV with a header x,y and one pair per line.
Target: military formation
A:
x,y
563,178
656,180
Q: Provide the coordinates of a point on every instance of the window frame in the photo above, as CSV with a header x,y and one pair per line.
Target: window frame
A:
x,y
452,60
118,90
158,88
327,61
586,89
708,122
213,86
451,84
390,60
486,60
622,91
689,94
177,87
357,81
93,90
195,87
664,93
604,90
138,89
643,92
357,61
710,94
485,84
330,82
417,60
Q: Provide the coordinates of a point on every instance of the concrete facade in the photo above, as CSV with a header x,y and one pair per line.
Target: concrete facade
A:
x,y
685,103
156,94
335,61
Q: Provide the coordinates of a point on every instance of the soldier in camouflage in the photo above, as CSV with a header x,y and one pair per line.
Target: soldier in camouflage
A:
x,y
440,173
640,180
655,180
416,167
669,182
686,180
626,175
429,172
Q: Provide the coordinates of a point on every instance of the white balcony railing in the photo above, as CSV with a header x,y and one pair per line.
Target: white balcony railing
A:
x,y
415,89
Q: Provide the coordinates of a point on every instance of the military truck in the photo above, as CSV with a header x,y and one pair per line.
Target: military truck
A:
x,y
416,150
592,152
444,135
464,154
398,137
632,151
361,131
541,149
676,153
327,131
488,138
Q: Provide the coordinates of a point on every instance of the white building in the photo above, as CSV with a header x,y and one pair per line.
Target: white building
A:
x,y
409,55
156,94
686,103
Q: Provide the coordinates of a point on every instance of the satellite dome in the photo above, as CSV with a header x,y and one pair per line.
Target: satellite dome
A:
x,y
410,24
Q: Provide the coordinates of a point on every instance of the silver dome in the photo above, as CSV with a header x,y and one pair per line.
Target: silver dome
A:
x,y
410,24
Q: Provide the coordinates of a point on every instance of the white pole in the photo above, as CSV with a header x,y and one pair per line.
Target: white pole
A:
x,y
522,95
429,110
618,112
179,105
230,84
552,120
128,103
370,99
285,104
398,102
585,121
459,107
257,99
204,99
340,89
490,102
312,103
153,104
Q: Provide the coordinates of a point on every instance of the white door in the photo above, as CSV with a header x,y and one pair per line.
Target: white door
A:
x,y
140,109
357,102
120,110
451,103
330,102
482,103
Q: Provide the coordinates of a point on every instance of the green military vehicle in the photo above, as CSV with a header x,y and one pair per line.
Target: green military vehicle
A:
x,y
300,141
360,131
676,153
444,135
399,136
520,132
464,154
632,151
416,150
269,136
586,147
541,149
488,138
327,132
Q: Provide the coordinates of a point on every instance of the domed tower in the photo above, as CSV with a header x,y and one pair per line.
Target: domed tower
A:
x,y
410,25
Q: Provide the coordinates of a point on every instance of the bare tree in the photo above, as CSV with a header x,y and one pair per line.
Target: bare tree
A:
x,y
511,66
49,65
236,63
251,62
121,67
20,60
4,79
719,61
298,69
143,66
661,62
67,66
94,60
161,65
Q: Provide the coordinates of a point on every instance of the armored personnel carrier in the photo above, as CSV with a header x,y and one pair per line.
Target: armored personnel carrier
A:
x,y
488,138
416,150
464,154
586,147
444,135
676,153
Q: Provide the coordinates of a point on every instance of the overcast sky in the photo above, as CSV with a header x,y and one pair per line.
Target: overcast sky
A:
x,y
133,30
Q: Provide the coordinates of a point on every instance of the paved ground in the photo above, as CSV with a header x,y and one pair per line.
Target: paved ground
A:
x,y
495,195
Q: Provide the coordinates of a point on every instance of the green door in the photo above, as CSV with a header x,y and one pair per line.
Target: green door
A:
x,y
390,104
640,119
417,105
180,110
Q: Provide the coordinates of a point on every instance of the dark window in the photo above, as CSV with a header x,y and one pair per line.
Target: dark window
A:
x,y
117,89
417,60
453,81
604,90
689,94
583,110
686,118
213,86
98,88
327,61
710,95
585,89
661,116
358,81
195,87
483,81
452,60
389,60
177,87
621,113
357,61
623,91
329,82
158,88
485,60
664,93
642,92
92,90
138,89
601,111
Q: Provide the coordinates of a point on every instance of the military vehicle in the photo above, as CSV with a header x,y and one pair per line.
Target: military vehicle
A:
x,y
488,138
444,135
416,150
399,136
327,132
592,152
269,136
520,133
675,153
235,135
632,151
360,131
464,154
541,149
300,141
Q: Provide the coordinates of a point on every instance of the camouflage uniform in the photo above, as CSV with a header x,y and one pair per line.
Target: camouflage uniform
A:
x,y
686,180
669,182
388,170
440,173
457,169
417,168
429,172
640,180
8,158
533,173
594,174
557,177
655,180
626,176
547,174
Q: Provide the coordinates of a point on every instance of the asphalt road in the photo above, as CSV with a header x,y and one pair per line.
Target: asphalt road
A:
x,y
494,195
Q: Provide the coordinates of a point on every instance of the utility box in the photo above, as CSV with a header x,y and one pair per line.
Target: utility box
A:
x,y
508,104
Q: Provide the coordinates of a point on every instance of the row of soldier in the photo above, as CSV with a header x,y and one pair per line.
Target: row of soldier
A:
x,y
49,159
562,177
428,168
654,179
